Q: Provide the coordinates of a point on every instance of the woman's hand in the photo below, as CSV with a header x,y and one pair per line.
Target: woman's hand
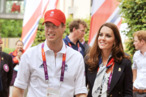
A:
x,y
19,54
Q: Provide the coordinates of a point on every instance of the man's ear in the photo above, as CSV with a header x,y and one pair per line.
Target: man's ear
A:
x,y
74,29
64,27
143,42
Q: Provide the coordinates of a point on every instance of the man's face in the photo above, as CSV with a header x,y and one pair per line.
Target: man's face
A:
x,y
80,32
54,33
137,43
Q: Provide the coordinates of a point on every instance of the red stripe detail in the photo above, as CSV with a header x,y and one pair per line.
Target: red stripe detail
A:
x,y
48,4
93,29
101,16
118,25
46,7
56,3
31,40
31,21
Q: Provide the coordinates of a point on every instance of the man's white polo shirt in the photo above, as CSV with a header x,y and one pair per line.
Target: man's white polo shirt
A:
x,y
139,63
31,72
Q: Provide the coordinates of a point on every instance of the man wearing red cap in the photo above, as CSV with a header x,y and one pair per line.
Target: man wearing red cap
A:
x,y
51,69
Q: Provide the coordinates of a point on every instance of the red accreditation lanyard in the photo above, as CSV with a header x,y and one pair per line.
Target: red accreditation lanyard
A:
x,y
45,65
77,45
110,64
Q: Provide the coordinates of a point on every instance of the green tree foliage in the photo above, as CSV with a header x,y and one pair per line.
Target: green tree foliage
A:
x,y
8,50
134,14
10,28
40,36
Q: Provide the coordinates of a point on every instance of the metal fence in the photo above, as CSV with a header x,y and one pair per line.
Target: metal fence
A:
x,y
9,42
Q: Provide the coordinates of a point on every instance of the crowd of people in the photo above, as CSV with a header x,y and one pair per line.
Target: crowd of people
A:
x,y
69,67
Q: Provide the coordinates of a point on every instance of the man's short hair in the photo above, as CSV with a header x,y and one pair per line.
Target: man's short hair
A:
x,y
140,34
75,24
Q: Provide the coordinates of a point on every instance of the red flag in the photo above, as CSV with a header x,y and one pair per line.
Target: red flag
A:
x,y
34,10
103,11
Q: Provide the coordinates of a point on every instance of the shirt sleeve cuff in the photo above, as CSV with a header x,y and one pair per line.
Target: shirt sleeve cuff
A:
x,y
20,85
81,91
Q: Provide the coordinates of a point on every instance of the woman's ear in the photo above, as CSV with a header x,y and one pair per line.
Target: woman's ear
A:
x,y
114,44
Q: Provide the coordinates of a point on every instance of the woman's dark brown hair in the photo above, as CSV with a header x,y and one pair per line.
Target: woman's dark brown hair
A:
x,y
117,50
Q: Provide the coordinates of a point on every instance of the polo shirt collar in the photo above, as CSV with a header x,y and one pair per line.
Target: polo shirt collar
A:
x,y
68,40
63,49
144,53
141,53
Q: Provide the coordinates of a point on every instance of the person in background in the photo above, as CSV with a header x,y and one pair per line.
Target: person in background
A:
x,y
139,64
108,69
51,69
6,71
77,31
16,55
86,46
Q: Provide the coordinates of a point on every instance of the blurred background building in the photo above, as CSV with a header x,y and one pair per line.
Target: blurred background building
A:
x,y
14,9
11,9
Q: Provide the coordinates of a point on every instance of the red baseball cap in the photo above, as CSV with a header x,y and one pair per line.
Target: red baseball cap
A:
x,y
54,16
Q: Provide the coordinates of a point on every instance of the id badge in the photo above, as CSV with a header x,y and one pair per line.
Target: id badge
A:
x,y
53,92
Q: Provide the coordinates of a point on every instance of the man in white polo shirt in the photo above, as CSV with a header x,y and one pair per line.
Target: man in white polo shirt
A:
x,y
139,64
51,69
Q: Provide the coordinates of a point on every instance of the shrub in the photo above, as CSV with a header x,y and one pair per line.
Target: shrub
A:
x,y
40,36
134,14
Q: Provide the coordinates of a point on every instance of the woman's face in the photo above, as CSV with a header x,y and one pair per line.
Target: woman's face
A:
x,y
19,46
106,38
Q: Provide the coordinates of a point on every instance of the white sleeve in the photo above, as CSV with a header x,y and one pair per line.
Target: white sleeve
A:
x,y
134,65
23,74
80,86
